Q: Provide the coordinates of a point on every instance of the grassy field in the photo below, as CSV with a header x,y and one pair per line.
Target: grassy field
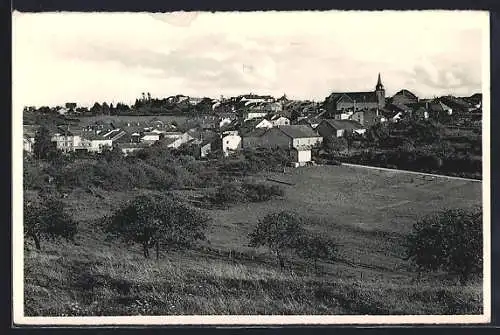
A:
x,y
367,212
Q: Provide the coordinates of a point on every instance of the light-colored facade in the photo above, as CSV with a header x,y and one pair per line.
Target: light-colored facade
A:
x,y
230,142
66,143
253,115
28,143
301,156
264,124
150,137
177,142
96,145
280,121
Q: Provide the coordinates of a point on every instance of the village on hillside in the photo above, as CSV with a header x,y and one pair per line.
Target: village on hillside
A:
x,y
226,125
254,205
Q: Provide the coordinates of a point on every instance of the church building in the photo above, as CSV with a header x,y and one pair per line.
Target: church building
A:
x,y
353,101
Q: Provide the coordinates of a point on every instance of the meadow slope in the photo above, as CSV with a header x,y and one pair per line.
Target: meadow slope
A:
x,y
367,212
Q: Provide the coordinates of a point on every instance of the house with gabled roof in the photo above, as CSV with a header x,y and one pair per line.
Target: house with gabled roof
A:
x,y
404,97
279,120
65,139
336,128
299,139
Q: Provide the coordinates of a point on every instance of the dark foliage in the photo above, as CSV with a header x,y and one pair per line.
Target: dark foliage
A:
x,y
48,220
234,192
161,222
450,241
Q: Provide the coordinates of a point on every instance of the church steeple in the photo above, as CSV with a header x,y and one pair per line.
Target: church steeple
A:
x,y
379,86
380,93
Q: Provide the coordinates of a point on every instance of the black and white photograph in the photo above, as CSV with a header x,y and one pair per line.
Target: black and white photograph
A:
x,y
251,168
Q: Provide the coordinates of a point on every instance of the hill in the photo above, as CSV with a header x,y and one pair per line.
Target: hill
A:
x,y
367,212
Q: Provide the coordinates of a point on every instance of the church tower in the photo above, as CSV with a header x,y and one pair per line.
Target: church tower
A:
x,y
380,93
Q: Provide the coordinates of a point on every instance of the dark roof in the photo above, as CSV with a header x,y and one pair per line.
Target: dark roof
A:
x,y
404,92
437,106
298,131
389,113
344,124
254,132
93,136
354,96
398,107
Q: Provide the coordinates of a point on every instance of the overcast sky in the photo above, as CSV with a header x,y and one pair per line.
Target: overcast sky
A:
x,y
87,57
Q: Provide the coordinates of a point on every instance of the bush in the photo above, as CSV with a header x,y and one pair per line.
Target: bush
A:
x,y
449,241
34,177
228,193
258,192
232,193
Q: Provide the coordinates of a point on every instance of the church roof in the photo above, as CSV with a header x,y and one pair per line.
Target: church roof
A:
x,y
354,97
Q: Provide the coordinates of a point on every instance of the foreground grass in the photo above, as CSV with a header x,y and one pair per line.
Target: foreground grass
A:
x,y
366,212
58,283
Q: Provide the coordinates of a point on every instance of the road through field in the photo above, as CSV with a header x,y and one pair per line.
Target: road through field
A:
x,y
411,172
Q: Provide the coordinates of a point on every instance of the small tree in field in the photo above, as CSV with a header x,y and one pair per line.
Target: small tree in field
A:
x,y
449,241
157,222
316,247
279,232
48,220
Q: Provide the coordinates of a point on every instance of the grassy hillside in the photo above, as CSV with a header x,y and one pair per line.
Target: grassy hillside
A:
x,y
367,212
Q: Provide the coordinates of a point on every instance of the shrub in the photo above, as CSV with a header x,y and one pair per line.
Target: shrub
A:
x,y
233,192
228,193
449,241
257,192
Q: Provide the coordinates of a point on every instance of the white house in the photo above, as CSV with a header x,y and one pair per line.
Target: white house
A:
x,y
278,120
98,143
172,134
177,142
225,121
150,137
66,141
231,141
28,142
300,156
253,114
264,123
